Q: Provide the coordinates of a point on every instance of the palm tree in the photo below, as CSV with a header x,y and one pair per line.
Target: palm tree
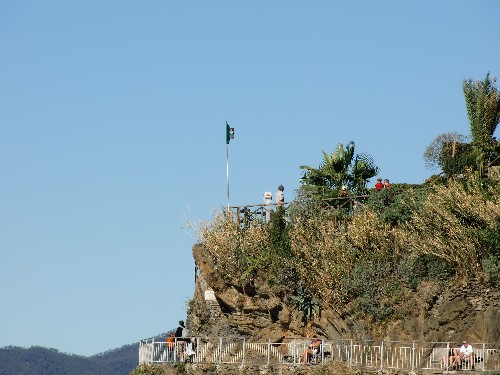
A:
x,y
340,168
482,100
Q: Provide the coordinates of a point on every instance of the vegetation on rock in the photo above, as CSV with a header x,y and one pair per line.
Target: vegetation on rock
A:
x,y
373,258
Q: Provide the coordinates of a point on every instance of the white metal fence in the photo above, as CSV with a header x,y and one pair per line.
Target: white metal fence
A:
x,y
368,354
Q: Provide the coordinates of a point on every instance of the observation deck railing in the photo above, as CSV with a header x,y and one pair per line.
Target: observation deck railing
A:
x,y
251,214
397,355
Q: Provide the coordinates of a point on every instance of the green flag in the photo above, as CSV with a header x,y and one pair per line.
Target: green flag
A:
x,y
229,133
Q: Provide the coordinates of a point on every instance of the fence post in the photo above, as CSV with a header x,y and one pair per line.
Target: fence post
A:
x,y
350,355
484,355
413,355
243,359
382,355
447,355
322,346
219,357
294,350
268,351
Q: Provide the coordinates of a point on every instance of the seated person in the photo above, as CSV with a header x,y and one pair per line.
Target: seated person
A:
x,y
311,350
453,358
467,355
189,352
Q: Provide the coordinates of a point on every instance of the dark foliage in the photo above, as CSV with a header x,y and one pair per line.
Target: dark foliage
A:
x,y
396,204
278,234
369,286
45,361
491,267
426,267
306,305
456,158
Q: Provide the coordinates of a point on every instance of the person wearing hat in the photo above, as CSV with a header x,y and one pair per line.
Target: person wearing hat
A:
x,y
280,197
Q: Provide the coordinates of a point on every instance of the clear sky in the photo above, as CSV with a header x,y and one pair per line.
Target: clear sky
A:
x,y
112,135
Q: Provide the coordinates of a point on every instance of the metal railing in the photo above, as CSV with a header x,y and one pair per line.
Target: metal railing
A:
x,y
251,214
367,354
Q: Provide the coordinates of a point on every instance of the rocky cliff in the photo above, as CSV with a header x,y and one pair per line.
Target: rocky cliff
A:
x,y
221,307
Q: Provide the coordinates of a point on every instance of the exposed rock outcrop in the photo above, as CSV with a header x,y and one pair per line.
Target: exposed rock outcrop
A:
x,y
223,307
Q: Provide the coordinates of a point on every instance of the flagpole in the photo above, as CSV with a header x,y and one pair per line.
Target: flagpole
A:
x,y
229,136
227,174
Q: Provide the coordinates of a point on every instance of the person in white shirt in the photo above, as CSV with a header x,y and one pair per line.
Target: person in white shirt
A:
x,y
280,196
467,354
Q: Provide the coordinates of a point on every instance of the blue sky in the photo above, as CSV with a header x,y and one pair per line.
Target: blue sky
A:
x,y
112,135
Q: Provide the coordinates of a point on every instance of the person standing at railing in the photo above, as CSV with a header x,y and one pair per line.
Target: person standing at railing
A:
x,y
344,192
170,346
268,199
280,196
180,334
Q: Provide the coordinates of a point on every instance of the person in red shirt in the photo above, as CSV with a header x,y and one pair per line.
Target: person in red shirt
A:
x,y
379,185
387,185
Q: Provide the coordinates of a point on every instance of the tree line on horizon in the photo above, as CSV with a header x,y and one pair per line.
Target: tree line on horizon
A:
x,y
40,360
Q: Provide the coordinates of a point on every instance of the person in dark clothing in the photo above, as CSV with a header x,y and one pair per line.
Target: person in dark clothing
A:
x,y
178,331
180,341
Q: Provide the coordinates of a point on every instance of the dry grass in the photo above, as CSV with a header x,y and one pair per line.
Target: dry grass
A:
x,y
329,253
449,224
232,249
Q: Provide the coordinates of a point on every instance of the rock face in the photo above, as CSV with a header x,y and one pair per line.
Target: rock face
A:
x,y
222,308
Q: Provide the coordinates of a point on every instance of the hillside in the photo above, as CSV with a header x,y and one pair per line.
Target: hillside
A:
x,y
413,263
44,361
410,264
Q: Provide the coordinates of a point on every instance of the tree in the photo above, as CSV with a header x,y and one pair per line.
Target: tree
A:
x,y
482,100
450,152
434,152
340,168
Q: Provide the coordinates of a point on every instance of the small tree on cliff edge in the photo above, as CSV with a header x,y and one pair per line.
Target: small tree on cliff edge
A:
x,y
340,168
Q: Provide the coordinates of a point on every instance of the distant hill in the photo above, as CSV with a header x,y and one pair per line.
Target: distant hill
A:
x,y
46,361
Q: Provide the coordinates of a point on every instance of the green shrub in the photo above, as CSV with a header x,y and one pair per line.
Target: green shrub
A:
x,y
371,288
491,266
278,234
490,238
306,305
397,204
426,267
180,367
